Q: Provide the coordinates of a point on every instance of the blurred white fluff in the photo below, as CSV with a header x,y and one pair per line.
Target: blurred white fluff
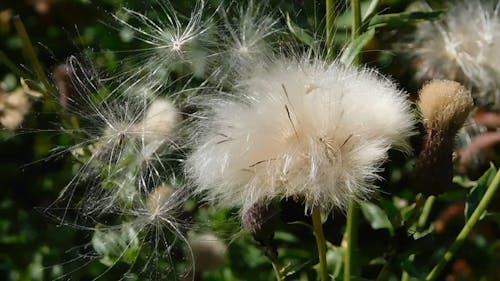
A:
x,y
464,47
298,128
160,120
172,41
245,39
123,142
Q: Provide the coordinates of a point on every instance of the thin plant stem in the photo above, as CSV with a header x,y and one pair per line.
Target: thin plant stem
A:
x,y
320,242
422,221
466,230
426,211
405,276
351,267
385,272
11,65
356,24
30,53
330,28
277,270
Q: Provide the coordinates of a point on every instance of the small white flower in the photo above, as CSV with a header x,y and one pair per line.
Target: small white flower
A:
x,y
463,47
298,128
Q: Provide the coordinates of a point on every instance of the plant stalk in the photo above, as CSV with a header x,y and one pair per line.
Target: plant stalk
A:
x,y
31,55
351,267
466,230
426,211
11,65
356,25
330,28
320,242
277,270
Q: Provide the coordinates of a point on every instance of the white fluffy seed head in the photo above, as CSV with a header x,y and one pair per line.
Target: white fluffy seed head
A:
x,y
445,105
208,251
158,198
173,42
13,107
160,120
298,128
245,39
463,47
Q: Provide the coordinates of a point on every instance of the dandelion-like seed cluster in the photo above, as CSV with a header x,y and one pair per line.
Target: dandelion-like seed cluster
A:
x,y
463,46
267,124
298,128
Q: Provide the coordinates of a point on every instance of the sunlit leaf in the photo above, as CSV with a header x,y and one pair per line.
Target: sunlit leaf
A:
x,y
478,191
376,216
403,19
299,32
356,46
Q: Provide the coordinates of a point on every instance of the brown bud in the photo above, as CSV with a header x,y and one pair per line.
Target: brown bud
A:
x,y
444,106
260,221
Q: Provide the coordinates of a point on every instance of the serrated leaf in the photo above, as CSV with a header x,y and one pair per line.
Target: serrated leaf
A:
x,y
356,46
299,32
376,216
403,19
478,191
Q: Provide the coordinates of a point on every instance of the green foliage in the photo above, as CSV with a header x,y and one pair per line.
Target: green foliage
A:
x,y
37,246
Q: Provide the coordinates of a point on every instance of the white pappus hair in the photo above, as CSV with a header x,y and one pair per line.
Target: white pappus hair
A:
x,y
298,128
244,39
463,46
172,42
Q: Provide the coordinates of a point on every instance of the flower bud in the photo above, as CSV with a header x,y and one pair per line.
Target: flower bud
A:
x,y
260,221
444,106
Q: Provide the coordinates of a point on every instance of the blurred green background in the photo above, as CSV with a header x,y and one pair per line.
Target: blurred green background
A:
x,y
34,246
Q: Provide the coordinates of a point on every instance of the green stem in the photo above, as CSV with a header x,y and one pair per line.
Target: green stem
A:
x,y
466,230
356,24
30,53
277,270
351,267
330,28
320,242
426,211
405,276
385,272
11,65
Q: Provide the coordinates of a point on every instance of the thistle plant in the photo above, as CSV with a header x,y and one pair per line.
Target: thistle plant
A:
x,y
241,141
